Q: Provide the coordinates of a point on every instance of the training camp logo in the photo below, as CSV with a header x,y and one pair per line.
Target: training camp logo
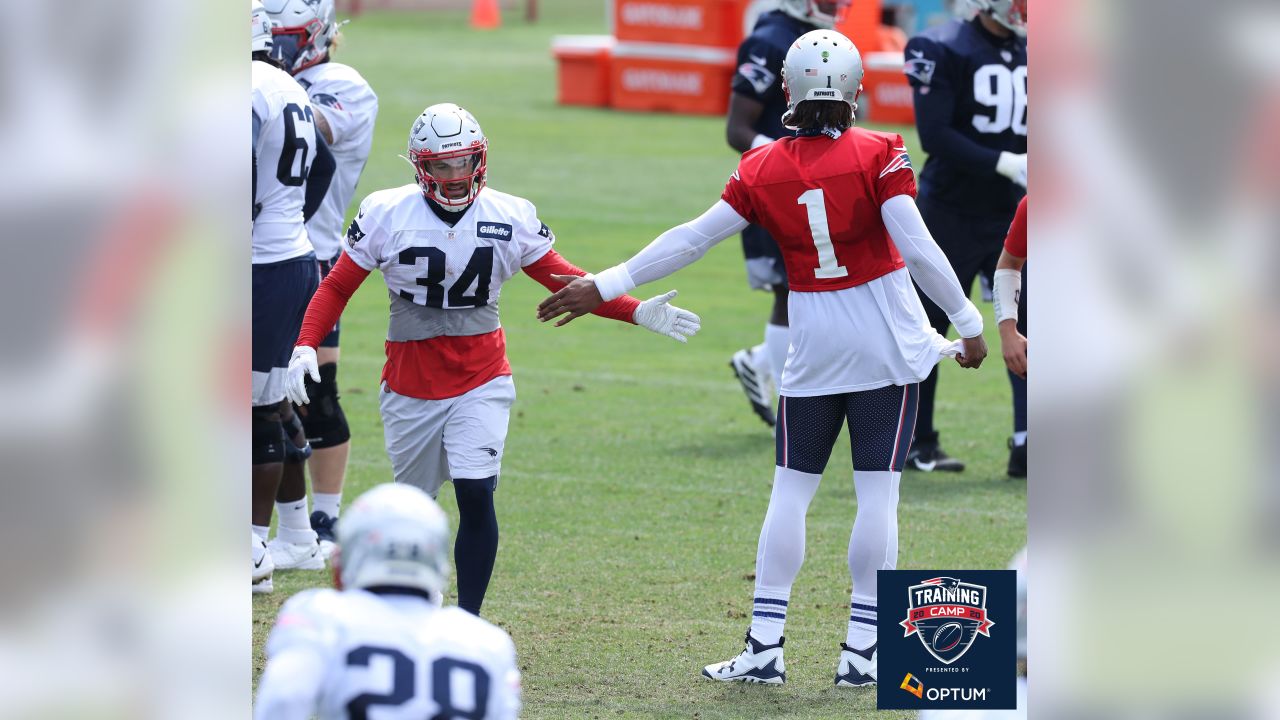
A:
x,y
493,230
947,615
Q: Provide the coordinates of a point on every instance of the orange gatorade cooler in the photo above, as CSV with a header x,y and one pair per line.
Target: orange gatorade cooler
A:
x,y
583,74
885,91
671,78
709,23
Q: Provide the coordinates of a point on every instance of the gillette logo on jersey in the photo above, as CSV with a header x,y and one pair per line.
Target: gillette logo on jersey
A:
x,y
955,631
493,231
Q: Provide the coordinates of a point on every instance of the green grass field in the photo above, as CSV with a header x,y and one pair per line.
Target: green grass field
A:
x,y
635,476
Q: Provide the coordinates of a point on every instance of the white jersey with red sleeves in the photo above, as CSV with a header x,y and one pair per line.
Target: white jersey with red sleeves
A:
x,y
284,151
350,107
397,656
856,320
444,283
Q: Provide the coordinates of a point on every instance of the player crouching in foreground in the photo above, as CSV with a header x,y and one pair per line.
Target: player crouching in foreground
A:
x,y
445,246
381,638
839,201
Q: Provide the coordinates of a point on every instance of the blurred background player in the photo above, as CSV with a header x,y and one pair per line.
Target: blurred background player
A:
x,y
1011,302
445,245
859,341
304,35
756,106
970,95
287,150
380,645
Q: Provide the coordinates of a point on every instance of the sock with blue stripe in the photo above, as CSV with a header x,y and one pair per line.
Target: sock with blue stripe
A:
x,y
873,546
780,551
862,622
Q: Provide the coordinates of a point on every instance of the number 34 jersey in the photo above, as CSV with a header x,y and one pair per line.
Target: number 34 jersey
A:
x,y
393,656
443,336
286,138
856,320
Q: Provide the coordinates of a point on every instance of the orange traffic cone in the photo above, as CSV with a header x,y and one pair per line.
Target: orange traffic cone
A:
x,y
485,14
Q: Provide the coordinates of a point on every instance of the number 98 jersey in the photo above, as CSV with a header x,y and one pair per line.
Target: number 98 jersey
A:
x,y
390,657
444,280
285,148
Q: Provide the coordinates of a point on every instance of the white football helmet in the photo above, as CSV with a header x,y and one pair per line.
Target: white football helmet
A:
x,y
393,535
303,31
449,153
821,65
260,27
819,13
1010,13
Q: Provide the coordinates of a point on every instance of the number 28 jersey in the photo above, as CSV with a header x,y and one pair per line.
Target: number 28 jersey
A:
x,y
393,656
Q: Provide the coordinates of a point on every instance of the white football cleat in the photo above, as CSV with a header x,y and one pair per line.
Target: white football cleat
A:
x,y
263,565
751,366
857,668
758,663
296,556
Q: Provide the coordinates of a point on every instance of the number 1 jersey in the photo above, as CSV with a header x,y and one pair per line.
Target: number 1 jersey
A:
x,y
856,320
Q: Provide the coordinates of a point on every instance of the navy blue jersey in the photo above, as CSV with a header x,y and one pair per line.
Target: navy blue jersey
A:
x,y
970,91
759,74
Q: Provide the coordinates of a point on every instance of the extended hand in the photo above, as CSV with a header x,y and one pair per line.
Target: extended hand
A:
x,y
302,363
972,351
578,297
658,315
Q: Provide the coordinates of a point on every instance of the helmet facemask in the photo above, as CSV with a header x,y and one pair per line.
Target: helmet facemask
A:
x,y
454,178
295,47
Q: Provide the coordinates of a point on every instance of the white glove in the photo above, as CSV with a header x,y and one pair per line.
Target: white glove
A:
x,y
301,364
658,315
1013,167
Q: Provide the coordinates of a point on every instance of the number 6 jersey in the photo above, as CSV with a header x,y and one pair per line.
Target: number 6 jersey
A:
x,y
285,146
340,655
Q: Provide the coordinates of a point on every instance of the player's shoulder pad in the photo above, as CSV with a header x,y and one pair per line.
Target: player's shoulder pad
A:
x,y
311,606
511,205
380,202
753,159
336,78
481,630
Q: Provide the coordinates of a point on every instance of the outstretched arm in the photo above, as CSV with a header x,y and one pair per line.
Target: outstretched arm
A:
x,y
546,269
672,250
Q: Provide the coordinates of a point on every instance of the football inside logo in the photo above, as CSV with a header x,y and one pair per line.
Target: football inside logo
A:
x,y
947,637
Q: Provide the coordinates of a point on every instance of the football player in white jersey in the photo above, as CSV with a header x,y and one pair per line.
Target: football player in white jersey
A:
x,y
304,36
445,245
285,190
381,645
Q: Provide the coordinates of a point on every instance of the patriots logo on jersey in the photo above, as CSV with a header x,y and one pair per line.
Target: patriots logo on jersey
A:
x,y
899,161
545,232
919,68
760,77
326,99
354,233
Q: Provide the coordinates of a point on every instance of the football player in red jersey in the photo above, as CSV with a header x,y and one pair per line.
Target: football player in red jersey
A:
x,y
839,200
1008,295
445,245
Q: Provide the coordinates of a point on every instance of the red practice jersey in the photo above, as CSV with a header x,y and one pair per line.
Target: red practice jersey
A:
x,y
1016,242
820,199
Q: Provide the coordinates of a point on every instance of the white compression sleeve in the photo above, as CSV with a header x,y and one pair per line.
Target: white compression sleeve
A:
x,y
1006,285
290,686
929,267
672,250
